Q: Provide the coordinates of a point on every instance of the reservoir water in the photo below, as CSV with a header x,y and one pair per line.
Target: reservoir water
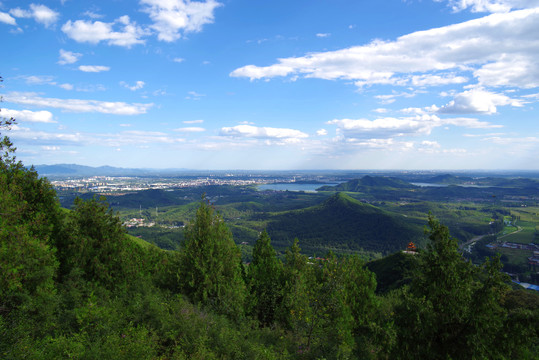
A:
x,y
293,187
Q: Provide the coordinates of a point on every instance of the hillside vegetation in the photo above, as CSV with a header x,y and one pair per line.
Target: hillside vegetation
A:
x,y
75,285
343,223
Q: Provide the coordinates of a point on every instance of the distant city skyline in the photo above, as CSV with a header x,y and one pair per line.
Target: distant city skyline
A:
x,y
275,85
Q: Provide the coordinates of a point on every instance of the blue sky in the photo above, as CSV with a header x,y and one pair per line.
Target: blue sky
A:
x,y
248,84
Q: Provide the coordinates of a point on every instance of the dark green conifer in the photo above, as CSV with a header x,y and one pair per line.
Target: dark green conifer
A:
x,y
210,273
264,281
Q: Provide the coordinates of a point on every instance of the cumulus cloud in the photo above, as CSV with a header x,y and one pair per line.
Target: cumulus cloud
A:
x,y
478,101
68,57
249,131
138,85
93,68
171,18
28,116
427,58
76,105
40,13
94,32
7,19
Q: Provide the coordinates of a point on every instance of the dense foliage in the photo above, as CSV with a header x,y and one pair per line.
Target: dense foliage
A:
x,y
75,285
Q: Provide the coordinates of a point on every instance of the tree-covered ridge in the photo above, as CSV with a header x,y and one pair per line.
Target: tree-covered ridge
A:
x,y
74,285
344,224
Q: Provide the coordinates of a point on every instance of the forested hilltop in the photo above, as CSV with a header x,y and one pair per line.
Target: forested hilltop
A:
x,y
75,285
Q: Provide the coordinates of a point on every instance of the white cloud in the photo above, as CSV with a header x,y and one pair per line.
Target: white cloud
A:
x,y
138,85
27,115
382,128
248,131
431,144
40,13
386,127
68,57
380,144
516,70
172,17
132,137
190,129
512,141
321,132
412,110
428,58
193,95
66,86
478,101
436,80
92,15
38,79
178,60
93,68
491,6
390,98
193,121
50,148
7,19
76,105
97,31
470,123
323,35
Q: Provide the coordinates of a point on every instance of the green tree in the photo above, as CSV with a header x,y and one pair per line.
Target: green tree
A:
x,y
452,309
264,281
29,218
95,243
209,272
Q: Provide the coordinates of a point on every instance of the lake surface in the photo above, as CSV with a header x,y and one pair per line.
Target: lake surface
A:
x,y
428,184
293,187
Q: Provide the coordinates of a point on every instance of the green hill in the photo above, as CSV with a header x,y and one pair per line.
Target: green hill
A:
x,y
448,179
343,224
359,185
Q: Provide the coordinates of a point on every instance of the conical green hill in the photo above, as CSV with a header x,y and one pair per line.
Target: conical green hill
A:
x,y
343,223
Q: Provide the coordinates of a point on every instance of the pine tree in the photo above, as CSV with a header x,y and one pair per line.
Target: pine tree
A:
x,y
264,278
209,272
452,309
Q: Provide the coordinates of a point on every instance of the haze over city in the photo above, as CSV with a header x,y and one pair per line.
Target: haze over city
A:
x,y
242,84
